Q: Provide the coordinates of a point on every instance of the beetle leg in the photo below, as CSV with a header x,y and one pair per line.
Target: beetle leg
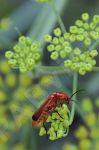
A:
x,y
58,113
45,127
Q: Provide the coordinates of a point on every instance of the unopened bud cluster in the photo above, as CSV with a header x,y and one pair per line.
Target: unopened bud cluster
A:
x,y
81,62
85,31
59,123
58,46
25,54
63,45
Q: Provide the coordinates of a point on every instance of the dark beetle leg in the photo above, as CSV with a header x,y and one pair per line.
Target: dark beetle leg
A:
x,y
45,127
58,113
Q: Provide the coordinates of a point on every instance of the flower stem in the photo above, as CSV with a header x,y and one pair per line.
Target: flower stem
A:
x,y
75,81
96,69
52,4
52,70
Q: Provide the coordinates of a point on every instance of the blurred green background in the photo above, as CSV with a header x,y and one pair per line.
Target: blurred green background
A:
x,y
17,91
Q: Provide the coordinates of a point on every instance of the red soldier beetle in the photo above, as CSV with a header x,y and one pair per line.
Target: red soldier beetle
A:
x,y
42,114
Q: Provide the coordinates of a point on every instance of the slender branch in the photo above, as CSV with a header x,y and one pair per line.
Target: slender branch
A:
x,y
96,69
75,81
52,70
52,4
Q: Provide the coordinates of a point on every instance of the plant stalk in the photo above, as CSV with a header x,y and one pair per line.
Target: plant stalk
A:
x,y
52,4
75,81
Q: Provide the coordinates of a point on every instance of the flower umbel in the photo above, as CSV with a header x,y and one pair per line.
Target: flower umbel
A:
x,y
25,54
59,123
64,45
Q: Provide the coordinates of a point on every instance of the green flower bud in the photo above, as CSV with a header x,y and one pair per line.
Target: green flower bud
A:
x,y
85,16
86,26
82,57
93,53
97,29
51,48
68,49
66,36
77,51
22,39
96,19
75,59
79,23
57,32
36,56
48,38
67,63
61,40
34,46
58,47
73,29
74,66
88,67
17,48
62,54
42,131
22,67
72,38
55,41
92,26
80,30
80,37
66,44
9,54
87,41
12,62
60,133
93,62
82,71
54,55
85,34
94,35
30,61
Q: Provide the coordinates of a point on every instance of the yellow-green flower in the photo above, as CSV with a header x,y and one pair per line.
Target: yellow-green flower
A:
x,y
85,144
81,132
91,119
86,105
2,96
11,80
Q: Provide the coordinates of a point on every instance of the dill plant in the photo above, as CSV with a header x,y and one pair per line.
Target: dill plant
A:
x,y
26,56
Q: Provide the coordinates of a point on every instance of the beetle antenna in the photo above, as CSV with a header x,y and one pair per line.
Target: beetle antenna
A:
x,y
77,92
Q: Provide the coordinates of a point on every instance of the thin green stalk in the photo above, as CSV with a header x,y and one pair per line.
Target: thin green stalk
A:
x,y
96,69
50,70
52,4
75,81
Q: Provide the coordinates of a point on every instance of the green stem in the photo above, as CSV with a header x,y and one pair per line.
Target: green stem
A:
x,y
50,70
75,81
52,4
96,69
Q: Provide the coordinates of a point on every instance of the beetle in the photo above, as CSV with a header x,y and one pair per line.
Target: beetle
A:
x,y
42,114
